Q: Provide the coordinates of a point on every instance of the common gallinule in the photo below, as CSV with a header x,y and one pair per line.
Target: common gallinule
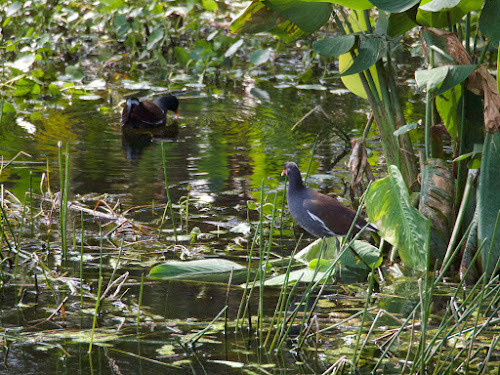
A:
x,y
146,114
319,214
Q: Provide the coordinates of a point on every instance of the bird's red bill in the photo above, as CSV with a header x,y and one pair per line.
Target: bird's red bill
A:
x,y
283,172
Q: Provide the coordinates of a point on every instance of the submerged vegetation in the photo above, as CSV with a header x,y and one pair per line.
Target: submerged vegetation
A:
x,y
82,274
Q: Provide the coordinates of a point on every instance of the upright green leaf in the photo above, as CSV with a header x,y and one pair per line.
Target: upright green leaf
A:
x,y
448,105
488,20
388,207
488,199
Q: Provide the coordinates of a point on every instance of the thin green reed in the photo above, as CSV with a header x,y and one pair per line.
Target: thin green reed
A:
x,y
64,184
139,305
169,201
31,204
261,271
96,311
81,259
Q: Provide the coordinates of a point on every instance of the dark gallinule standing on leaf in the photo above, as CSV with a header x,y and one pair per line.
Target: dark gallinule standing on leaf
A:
x,y
319,214
145,114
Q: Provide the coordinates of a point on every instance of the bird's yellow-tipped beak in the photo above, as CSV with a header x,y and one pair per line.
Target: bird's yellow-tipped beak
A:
x,y
283,172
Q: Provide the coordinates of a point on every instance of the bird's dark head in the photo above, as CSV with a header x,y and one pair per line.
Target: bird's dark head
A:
x,y
291,170
168,103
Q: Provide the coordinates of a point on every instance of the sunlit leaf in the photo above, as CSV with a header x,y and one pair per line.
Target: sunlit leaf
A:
x,y
388,207
332,47
210,5
6,107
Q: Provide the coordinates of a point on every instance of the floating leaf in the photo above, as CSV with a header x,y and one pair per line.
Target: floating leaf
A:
x,y
232,50
209,270
260,56
155,37
311,87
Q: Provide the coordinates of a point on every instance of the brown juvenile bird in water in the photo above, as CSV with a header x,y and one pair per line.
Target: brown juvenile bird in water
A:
x,y
146,114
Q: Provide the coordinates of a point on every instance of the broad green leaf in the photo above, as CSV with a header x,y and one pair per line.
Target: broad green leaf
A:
x,y
210,5
6,107
488,20
371,49
209,270
260,56
155,37
353,82
405,129
447,105
446,16
23,87
443,78
388,207
332,47
400,23
289,20
308,16
488,199
394,6
437,196
182,56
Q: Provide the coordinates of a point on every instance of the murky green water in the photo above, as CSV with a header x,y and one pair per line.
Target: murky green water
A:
x,y
228,141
